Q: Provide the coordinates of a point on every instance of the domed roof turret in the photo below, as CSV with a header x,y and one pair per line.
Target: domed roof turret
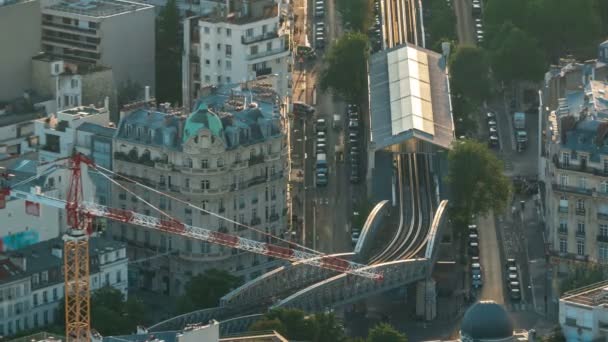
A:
x,y
486,320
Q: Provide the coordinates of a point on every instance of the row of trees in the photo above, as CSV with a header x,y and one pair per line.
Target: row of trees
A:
x,y
323,327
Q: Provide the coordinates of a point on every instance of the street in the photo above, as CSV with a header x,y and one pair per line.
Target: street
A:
x,y
514,234
323,229
492,288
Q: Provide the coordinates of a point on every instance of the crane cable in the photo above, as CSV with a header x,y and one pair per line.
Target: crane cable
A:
x,y
98,167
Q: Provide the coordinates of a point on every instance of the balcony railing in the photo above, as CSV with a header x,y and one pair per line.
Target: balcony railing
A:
x,y
562,230
580,211
580,168
259,38
602,216
256,221
562,209
257,180
572,189
273,217
580,233
602,238
69,27
263,71
262,54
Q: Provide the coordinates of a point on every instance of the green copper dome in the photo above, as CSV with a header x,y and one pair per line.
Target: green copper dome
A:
x,y
202,118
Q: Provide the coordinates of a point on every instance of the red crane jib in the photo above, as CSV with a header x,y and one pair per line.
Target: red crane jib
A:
x,y
171,225
278,251
224,239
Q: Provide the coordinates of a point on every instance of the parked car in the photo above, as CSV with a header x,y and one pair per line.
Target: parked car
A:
x,y
493,131
321,179
353,124
473,237
490,116
353,137
473,229
514,290
492,123
476,275
512,277
321,125
474,248
493,140
511,263
321,147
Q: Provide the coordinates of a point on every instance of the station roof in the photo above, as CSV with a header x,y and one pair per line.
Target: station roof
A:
x,y
409,97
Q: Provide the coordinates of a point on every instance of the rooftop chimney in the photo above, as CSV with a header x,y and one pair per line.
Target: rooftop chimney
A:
x,y
147,94
106,103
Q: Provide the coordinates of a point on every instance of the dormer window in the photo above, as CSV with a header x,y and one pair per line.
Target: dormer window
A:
x,y
129,130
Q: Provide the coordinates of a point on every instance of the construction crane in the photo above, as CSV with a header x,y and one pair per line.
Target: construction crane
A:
x,y
80,215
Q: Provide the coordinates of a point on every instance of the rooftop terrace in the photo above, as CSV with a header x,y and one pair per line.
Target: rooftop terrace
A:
x,y
98,9
592,295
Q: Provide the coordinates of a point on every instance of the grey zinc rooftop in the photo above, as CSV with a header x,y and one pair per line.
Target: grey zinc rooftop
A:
x,y
98,9
40,257
107,132
401,107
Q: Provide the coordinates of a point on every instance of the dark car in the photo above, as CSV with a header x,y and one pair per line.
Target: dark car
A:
x,y
474,248
301,108
354,174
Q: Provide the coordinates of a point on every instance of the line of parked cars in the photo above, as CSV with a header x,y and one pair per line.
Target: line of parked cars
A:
x,y
513,284
322,169
319,24
493,129
354,147
476,273
477,14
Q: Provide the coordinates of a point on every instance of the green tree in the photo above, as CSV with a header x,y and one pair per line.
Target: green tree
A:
x,y
516,56
269,324
469,72
296,325
441,24
346,70
477,182
205,290
565,27
168,54
111,314
496,13
581,276
356,14
384,332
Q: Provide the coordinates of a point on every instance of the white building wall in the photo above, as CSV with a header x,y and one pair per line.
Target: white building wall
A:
x,y
14,305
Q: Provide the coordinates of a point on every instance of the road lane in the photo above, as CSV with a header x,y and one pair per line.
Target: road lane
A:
x,y
490,261
464,22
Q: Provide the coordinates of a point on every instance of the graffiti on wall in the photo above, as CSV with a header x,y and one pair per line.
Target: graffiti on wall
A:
x,y
18,240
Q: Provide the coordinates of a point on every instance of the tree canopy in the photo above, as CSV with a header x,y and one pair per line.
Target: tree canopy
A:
x,y
580,277
346,69
560,27
384,332
356,15
515,56
111,314
477,183
441,24
168,54
296,325
469,73
205,290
